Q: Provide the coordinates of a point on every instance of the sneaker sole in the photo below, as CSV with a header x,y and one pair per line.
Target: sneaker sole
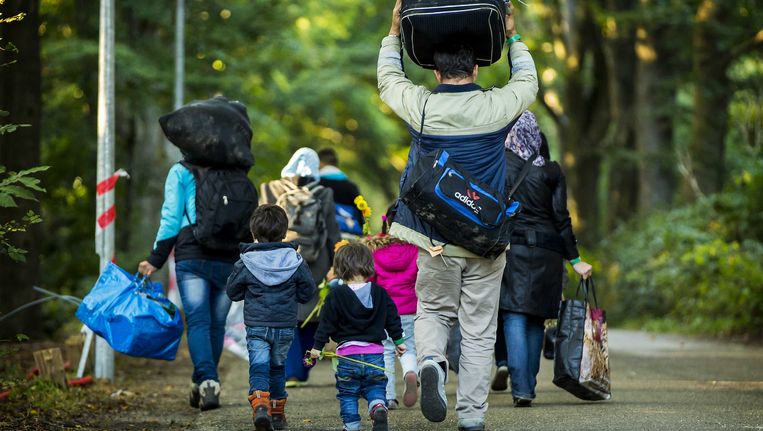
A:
x,y
411,390
263,424
433,407
501,380
523,404
209,403
279,425
380,420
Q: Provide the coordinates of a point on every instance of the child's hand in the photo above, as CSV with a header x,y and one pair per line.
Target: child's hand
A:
x,y
400,349
315,353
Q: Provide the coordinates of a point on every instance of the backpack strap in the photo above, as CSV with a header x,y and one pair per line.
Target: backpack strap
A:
x,y
522,174
423,116
196,172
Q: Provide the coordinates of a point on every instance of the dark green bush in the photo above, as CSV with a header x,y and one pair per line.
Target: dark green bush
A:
x,y
694,269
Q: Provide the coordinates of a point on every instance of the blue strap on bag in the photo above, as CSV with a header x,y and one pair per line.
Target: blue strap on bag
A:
x,y
132,314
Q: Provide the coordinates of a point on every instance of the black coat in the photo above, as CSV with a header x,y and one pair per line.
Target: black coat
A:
x,y
345,192
541,239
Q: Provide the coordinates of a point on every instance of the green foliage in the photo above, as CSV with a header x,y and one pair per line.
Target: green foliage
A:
x,y
9,128
13,186
307,73
696,268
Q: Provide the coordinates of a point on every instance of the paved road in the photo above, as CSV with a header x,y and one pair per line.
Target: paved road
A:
x,y
659,383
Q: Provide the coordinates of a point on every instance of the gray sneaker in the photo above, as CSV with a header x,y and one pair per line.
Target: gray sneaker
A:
x,y
193,396
209,391
471,424
434,404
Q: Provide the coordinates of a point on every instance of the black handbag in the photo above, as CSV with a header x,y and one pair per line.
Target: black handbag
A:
x,y
462,209
549,335
429,24
581,360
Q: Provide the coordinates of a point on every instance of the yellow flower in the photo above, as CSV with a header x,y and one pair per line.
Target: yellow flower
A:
x,y
362,205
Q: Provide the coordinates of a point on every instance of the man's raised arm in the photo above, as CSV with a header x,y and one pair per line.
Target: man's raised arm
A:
x,y
397,91
520,92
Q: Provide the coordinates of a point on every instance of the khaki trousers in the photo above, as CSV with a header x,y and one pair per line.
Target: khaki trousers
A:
x,y
467,290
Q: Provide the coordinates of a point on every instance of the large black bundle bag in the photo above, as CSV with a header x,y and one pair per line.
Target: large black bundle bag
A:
x,y
427,25
213,132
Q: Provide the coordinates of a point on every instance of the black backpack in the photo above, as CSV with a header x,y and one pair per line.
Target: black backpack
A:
x,y
225,201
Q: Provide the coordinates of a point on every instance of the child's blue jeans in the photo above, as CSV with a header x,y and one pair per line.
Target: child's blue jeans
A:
x,y
267,353
354,380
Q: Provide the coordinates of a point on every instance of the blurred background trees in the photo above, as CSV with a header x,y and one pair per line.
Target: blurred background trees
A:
x,y
653,107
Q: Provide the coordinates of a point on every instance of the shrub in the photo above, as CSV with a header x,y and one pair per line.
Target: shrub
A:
x,y
696,268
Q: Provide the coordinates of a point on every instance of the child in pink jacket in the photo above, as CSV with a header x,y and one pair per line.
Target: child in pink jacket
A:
x,y
396,270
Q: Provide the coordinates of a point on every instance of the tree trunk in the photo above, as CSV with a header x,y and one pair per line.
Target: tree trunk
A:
x,y
655,95
618,194
712,93
20,95
589,118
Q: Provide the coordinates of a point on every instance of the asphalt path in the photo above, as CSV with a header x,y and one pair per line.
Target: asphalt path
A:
x,y
659,382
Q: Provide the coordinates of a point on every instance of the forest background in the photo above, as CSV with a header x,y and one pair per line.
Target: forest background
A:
x,y
653,107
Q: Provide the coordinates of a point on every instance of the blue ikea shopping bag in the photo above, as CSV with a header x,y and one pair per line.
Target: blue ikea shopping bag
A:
x,y
132,314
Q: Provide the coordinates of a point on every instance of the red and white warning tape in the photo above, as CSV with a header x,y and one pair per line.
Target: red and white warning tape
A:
x,y
108,216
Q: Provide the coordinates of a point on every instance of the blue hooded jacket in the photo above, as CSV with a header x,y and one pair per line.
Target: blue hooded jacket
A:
x,y
271,278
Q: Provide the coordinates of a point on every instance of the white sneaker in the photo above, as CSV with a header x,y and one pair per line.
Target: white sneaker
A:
x,y
209,391
434,404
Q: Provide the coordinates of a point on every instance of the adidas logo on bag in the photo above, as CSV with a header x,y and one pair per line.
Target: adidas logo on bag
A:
x,y
470,199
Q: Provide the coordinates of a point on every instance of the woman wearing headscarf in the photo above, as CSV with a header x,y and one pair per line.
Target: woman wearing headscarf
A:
x,y
302,170
532,280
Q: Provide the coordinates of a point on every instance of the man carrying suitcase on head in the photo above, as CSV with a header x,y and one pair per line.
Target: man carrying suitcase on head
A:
x,y
454,284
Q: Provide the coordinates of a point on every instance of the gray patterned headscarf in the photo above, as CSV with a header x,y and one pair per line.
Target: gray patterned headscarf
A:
x,y
524,138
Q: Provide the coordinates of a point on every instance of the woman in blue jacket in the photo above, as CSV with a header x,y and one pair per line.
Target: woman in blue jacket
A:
x,y
201,276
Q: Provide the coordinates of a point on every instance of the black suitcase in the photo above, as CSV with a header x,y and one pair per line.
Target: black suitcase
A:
x,y
428,24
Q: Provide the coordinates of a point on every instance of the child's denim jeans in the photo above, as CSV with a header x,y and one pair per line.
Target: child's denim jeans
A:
x,y
267,353
354,380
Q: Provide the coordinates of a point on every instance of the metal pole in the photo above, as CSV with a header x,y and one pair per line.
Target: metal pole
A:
x,y
179,53
104,356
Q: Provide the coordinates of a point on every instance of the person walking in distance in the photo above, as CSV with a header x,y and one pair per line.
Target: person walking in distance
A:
x,y
348,216
204,217
454,284
271,278
532,281
312,224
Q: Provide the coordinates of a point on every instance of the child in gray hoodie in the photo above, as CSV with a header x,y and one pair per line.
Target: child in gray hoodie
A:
x,y
271,278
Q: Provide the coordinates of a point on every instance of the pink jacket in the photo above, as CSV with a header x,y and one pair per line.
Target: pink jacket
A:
x,y
396,272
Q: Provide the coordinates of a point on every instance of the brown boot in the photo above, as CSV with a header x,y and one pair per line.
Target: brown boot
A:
x,y
260,401
278,413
